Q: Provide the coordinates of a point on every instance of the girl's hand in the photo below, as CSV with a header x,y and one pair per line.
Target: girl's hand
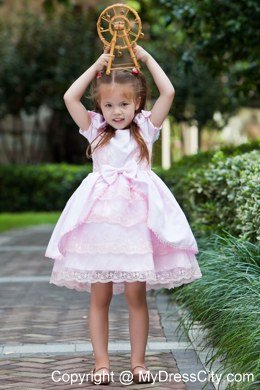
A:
x,y
140,53
102,61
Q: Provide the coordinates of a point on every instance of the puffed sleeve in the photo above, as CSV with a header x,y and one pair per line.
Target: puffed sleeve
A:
x,y
145,125
96,125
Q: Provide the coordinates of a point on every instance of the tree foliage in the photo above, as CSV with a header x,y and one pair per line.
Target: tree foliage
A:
x,y
223,34
40,57
198,93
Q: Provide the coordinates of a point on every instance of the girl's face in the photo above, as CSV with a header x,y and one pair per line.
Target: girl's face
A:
x,y
117,104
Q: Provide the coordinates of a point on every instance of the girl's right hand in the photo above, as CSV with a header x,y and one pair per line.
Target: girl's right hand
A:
x,y
102,61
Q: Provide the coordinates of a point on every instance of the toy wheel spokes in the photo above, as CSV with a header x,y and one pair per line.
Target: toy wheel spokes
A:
x,y
121,18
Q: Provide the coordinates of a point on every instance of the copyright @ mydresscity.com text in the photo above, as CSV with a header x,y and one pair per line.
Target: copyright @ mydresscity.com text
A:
x,y
126,377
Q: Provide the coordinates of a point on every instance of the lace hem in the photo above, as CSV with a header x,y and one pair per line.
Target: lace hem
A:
x,y
151,276
168,280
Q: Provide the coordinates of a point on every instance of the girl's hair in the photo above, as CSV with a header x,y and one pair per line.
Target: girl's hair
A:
x,y
139,85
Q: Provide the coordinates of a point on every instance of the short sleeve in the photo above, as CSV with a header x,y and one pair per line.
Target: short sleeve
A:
x,y
97,123
142,119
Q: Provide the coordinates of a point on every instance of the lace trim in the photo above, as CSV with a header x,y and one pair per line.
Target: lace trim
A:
x,y
118,288
176,275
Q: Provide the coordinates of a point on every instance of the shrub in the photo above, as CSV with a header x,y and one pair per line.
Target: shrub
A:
x,y
226,195
219,192
226,301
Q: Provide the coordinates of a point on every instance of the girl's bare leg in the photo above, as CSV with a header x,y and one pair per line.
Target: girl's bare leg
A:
x,y
135,294
100,298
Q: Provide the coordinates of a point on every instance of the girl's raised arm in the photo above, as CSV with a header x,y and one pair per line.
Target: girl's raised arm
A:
x,y
163,104
75,92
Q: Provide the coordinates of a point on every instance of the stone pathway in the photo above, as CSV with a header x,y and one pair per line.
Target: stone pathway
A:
x,y
45,343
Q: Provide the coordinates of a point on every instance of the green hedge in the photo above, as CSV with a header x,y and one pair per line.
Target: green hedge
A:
x,y
45,187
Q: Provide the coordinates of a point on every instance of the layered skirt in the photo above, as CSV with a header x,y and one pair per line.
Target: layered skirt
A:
x,y
129,230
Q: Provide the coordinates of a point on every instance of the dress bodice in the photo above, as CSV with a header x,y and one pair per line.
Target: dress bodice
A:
x,y
122,147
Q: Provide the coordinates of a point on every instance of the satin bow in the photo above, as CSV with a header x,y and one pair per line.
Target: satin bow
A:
x,y
110,173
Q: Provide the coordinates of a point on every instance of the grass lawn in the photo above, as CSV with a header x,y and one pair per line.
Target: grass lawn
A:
x,y
19,220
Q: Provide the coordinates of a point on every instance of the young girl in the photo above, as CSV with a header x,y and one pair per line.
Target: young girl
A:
x,y
122,230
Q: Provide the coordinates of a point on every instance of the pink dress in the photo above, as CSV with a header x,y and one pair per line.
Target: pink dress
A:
x,y
122,224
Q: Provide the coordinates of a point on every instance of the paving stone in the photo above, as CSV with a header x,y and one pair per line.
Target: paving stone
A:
x,y
21,374
50,324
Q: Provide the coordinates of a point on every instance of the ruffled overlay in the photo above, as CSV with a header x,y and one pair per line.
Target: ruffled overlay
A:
x,y
122,224
122,234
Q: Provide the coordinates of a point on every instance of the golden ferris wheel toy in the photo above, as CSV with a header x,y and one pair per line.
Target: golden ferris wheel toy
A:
x,y
119,27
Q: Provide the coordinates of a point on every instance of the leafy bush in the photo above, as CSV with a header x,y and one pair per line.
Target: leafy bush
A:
x,y
175,177
226,195
218,192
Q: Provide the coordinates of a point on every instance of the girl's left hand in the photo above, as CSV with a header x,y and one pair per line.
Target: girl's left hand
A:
x,y
140,53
